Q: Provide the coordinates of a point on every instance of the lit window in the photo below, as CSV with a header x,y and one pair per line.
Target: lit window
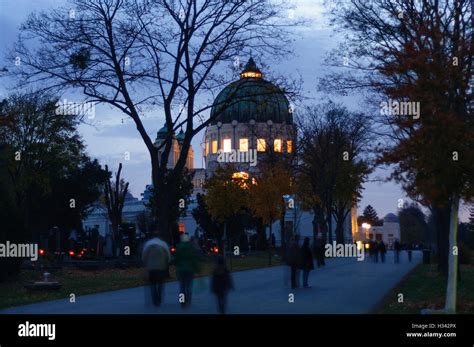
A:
x,y
244,145
277,145
227,145
261,147
207,148
182,228
214,146
289,146
251,74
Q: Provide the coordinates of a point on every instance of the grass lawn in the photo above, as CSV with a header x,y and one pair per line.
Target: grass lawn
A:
x,y
424,287
80,282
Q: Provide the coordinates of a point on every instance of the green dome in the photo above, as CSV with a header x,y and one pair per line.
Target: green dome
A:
x,y
180,136
249,98
162,133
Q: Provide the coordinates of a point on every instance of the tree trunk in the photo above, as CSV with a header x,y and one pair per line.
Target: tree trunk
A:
x,y
315,232
441,218
340,229
162,214
283,232
270,244
321,222
329,225
451,290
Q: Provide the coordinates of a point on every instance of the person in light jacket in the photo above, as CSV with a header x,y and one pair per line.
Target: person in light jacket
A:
x,y
156,257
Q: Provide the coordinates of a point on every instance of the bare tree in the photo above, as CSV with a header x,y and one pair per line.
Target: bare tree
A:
x,y
114,196
141,54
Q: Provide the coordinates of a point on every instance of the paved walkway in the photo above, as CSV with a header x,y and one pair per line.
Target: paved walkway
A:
x,y
343,286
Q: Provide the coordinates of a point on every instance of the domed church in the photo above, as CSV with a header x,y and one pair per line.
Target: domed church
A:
x,y
249,118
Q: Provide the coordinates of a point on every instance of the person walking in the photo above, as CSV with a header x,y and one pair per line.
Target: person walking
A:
x,y
306,261
397,248
293,261
319,248
156,257
221,284
383,249
186,261
409,250
376,251
371,251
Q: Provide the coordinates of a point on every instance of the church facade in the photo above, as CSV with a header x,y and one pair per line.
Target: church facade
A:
x,y
251,121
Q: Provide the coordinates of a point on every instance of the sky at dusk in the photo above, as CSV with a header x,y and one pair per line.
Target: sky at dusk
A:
x,y
111,134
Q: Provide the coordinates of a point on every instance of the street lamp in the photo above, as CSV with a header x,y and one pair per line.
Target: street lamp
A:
x,y
366,227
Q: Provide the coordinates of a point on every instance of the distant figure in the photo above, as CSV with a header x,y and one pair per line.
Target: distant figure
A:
x,y
186,261
320,249
156,257
409,250
376,252
221,284
397,247
293,261
306,261
371,250
382,249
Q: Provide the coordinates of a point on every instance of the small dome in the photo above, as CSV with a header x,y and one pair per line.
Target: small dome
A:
x,y
390,218
162,133
180,136
249,98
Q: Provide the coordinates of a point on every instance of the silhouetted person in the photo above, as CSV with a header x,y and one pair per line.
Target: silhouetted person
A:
x,y
382,249
376,252
293,261
306,261
221,284
156,257
320,249
409,250
186,260
397,248
371,250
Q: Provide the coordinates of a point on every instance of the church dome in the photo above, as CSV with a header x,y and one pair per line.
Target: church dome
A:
x,y
390,218
162,134
180,137
249,98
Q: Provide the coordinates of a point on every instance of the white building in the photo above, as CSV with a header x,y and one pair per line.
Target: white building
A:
x,y
389,232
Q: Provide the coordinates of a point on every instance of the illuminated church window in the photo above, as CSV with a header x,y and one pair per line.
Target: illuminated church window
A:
x,y
244,145
227,145
251,74
214,146
277,145
261,145
289,146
